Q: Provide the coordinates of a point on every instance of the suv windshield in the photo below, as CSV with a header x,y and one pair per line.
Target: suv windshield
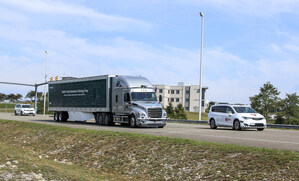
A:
x,y
244,110
144,96
26,106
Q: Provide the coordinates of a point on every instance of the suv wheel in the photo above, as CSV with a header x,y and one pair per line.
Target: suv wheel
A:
x,y
237,125
213,124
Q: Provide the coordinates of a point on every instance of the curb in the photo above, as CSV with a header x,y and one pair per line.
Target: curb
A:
x,y
206,122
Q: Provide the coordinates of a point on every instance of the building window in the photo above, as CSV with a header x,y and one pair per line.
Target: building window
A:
x,y
187,100
186,108
160,90
168,91
172,91
187,92
172,100
177,91
177,100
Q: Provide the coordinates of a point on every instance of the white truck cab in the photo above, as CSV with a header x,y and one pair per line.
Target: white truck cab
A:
x,y
237,116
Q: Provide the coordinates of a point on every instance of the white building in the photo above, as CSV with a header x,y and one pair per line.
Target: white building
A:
x,y
188,96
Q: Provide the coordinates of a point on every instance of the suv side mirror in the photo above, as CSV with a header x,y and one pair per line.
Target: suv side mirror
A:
x,y
230,113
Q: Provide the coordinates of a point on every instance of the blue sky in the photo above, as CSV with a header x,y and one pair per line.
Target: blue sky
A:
x,y
246,43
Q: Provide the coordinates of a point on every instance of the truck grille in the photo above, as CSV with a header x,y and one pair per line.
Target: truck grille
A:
x,y
154,112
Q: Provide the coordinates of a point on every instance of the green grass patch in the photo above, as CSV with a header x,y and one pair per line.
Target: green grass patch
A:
x,y
60,153
194,116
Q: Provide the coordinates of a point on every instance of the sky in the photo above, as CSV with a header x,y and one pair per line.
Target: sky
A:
x,y
246,43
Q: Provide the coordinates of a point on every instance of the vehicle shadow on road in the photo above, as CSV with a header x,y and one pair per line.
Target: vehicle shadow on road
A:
x,y
225,129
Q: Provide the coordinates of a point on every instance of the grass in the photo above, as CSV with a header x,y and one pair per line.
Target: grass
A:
x,y
58,153
6,107
194,116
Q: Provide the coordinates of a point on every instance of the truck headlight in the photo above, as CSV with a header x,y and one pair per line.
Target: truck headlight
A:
x,y
141,115
164,114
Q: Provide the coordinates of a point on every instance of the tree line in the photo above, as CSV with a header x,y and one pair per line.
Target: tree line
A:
x,y
17,97
282,110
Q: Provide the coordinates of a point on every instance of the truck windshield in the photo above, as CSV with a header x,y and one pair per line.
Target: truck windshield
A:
x,y
144,96
244,110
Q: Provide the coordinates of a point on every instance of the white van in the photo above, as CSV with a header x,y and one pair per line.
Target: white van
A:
x,y
24,109
237,116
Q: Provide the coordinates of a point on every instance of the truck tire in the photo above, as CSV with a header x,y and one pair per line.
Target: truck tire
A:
x,y
96,117
106,120
133,121
64,116
56,114
99,118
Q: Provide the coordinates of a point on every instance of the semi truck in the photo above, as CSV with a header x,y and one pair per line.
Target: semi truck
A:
x,y
109,99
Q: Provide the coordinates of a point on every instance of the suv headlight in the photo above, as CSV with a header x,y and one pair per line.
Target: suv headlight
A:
x,y
245,117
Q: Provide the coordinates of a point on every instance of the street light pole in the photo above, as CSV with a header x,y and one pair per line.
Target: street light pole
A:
x,y
200,78
45,82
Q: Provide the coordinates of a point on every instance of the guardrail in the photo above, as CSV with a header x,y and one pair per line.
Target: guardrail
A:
x,y
286,126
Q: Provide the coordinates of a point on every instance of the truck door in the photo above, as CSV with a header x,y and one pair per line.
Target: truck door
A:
x,y
127,102
117,101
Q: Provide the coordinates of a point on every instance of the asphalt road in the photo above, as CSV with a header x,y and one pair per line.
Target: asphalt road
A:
x,y
269,138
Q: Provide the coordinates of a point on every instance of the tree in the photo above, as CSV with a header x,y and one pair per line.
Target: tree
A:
x,y
11,97
266,102
18,97
31,95
170,111
180,112
291,105
40,105
2,97
289,110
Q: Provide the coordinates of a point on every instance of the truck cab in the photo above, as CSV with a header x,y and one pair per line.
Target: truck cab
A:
x,y
134,101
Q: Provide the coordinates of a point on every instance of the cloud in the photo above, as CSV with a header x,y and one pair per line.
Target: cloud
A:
x,y
67,12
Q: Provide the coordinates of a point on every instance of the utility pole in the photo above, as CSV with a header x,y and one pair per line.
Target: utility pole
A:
x,y
45,82
200,78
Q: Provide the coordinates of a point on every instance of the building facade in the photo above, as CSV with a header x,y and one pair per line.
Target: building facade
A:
x,y
188,96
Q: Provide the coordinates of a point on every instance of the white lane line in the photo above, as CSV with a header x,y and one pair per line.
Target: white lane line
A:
x,y
252,139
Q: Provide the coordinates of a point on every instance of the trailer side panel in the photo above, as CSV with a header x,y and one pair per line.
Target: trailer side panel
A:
x,y
78,94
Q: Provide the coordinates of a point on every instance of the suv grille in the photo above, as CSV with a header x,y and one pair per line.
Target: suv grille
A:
x,y
154,112
257,119
259,124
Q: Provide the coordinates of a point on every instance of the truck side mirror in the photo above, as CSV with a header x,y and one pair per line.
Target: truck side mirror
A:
x,y
160,98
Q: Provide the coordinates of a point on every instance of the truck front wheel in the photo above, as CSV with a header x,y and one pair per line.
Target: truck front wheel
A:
x,y
133,121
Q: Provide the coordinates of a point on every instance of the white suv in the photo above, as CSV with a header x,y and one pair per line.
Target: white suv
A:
x,y
24,109
236,116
